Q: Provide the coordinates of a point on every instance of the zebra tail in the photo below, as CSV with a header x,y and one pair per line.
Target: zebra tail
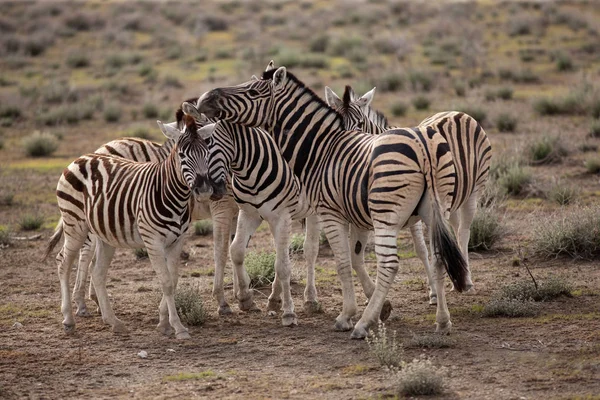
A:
x,y
58,233
447,250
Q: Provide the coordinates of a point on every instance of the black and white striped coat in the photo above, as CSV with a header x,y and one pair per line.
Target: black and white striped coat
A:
x,y
381,182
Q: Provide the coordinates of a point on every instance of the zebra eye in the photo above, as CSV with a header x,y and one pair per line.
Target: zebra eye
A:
x,y
253,92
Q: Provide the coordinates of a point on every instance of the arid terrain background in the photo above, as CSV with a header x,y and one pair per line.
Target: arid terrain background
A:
x,y
74,75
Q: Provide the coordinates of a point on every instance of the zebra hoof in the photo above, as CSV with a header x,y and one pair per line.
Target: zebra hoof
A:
x,y
359,332
248,305
433,300
120,328
443,329
183,335
166,330
342,325
225,310
274,305
386,310
289,319
312,307
69,328
83,312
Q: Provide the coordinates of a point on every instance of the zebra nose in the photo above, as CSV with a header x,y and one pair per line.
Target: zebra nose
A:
x,y
202,187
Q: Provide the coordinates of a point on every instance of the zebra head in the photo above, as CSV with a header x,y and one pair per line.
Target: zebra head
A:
x,y
353,109
219,158
250,103
192,154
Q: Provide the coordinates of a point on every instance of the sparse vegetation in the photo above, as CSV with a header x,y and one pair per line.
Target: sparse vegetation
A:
x,y
385,347
150,110
574,232
203,227
31,222
112,113
421,102
420,378
260,267
512,308
547,289
486,229
592,165
546,150
506,123
562,193
515,179
431,341
399,109
40,144
297,243
5,236
190,306
595,129
478,114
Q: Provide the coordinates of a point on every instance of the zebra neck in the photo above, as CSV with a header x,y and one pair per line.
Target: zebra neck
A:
x,y
170,183
167,147
377,120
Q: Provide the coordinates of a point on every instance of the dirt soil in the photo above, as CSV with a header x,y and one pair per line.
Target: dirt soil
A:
x,y
554,355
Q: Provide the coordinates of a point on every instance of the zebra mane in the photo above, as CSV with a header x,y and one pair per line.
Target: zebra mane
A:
x,y
347,98
380,118
269,75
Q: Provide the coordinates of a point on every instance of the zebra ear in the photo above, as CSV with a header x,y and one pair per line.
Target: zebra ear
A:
x,y
254,78
279,77
332,99
206,131
191,110
366,99
270,66
169,130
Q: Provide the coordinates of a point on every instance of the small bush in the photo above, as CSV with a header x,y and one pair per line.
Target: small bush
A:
x,y
7,199
420,378
386,349
31,222
78,60
172,81
512,308
116,61
112,113
460,88
562,194
190,306
203,228
318,44
297,243
592,165
587,147
574,232
547,290
492,194
421,102
399,109
260,267
486,229
390,82
10,111
150,110
506,123
431,341
67,113
5,236
141,253
145,70
564,62
546,150
477,113
515,179
505,93
40,144
295,59
595,129
420,81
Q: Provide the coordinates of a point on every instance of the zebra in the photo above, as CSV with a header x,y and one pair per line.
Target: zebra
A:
x,y
130,204
265,187
379,183
471,151
223,213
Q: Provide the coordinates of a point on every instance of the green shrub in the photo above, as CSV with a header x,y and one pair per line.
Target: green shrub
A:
x,y
260,267
564,62
586,147
385,348
420,80
512,308
460,88
297,243
548,289
486,229
419,378
145,70
421,102
595,108
172,81
112,113
390,82
67,113
592,165
505,93
319,43
10,111
506,123
190,306
431,341
562,194
116,61
595,129
477,113
31,222
515,179
399,108
40,144
574,232
546,150
150,110
78,60
203,227
7,199
293,59
5,236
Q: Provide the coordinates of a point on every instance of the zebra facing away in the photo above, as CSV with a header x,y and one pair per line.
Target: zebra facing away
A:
x,y
470,148
129,204
265,187
381,182
223,213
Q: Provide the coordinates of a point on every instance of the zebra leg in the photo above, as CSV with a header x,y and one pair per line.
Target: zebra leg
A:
x,y
336,231
86,255
467,213
164,262
416,231
311,251
442,315
248,222
64,260
221,217
281,228
104,255
386,250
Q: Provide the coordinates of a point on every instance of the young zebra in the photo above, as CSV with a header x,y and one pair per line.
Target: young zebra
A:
x,y
471,151
223,213
381,182
265,187
129,204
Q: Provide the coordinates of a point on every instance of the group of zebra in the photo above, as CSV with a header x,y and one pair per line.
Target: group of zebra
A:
x,y
274,150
